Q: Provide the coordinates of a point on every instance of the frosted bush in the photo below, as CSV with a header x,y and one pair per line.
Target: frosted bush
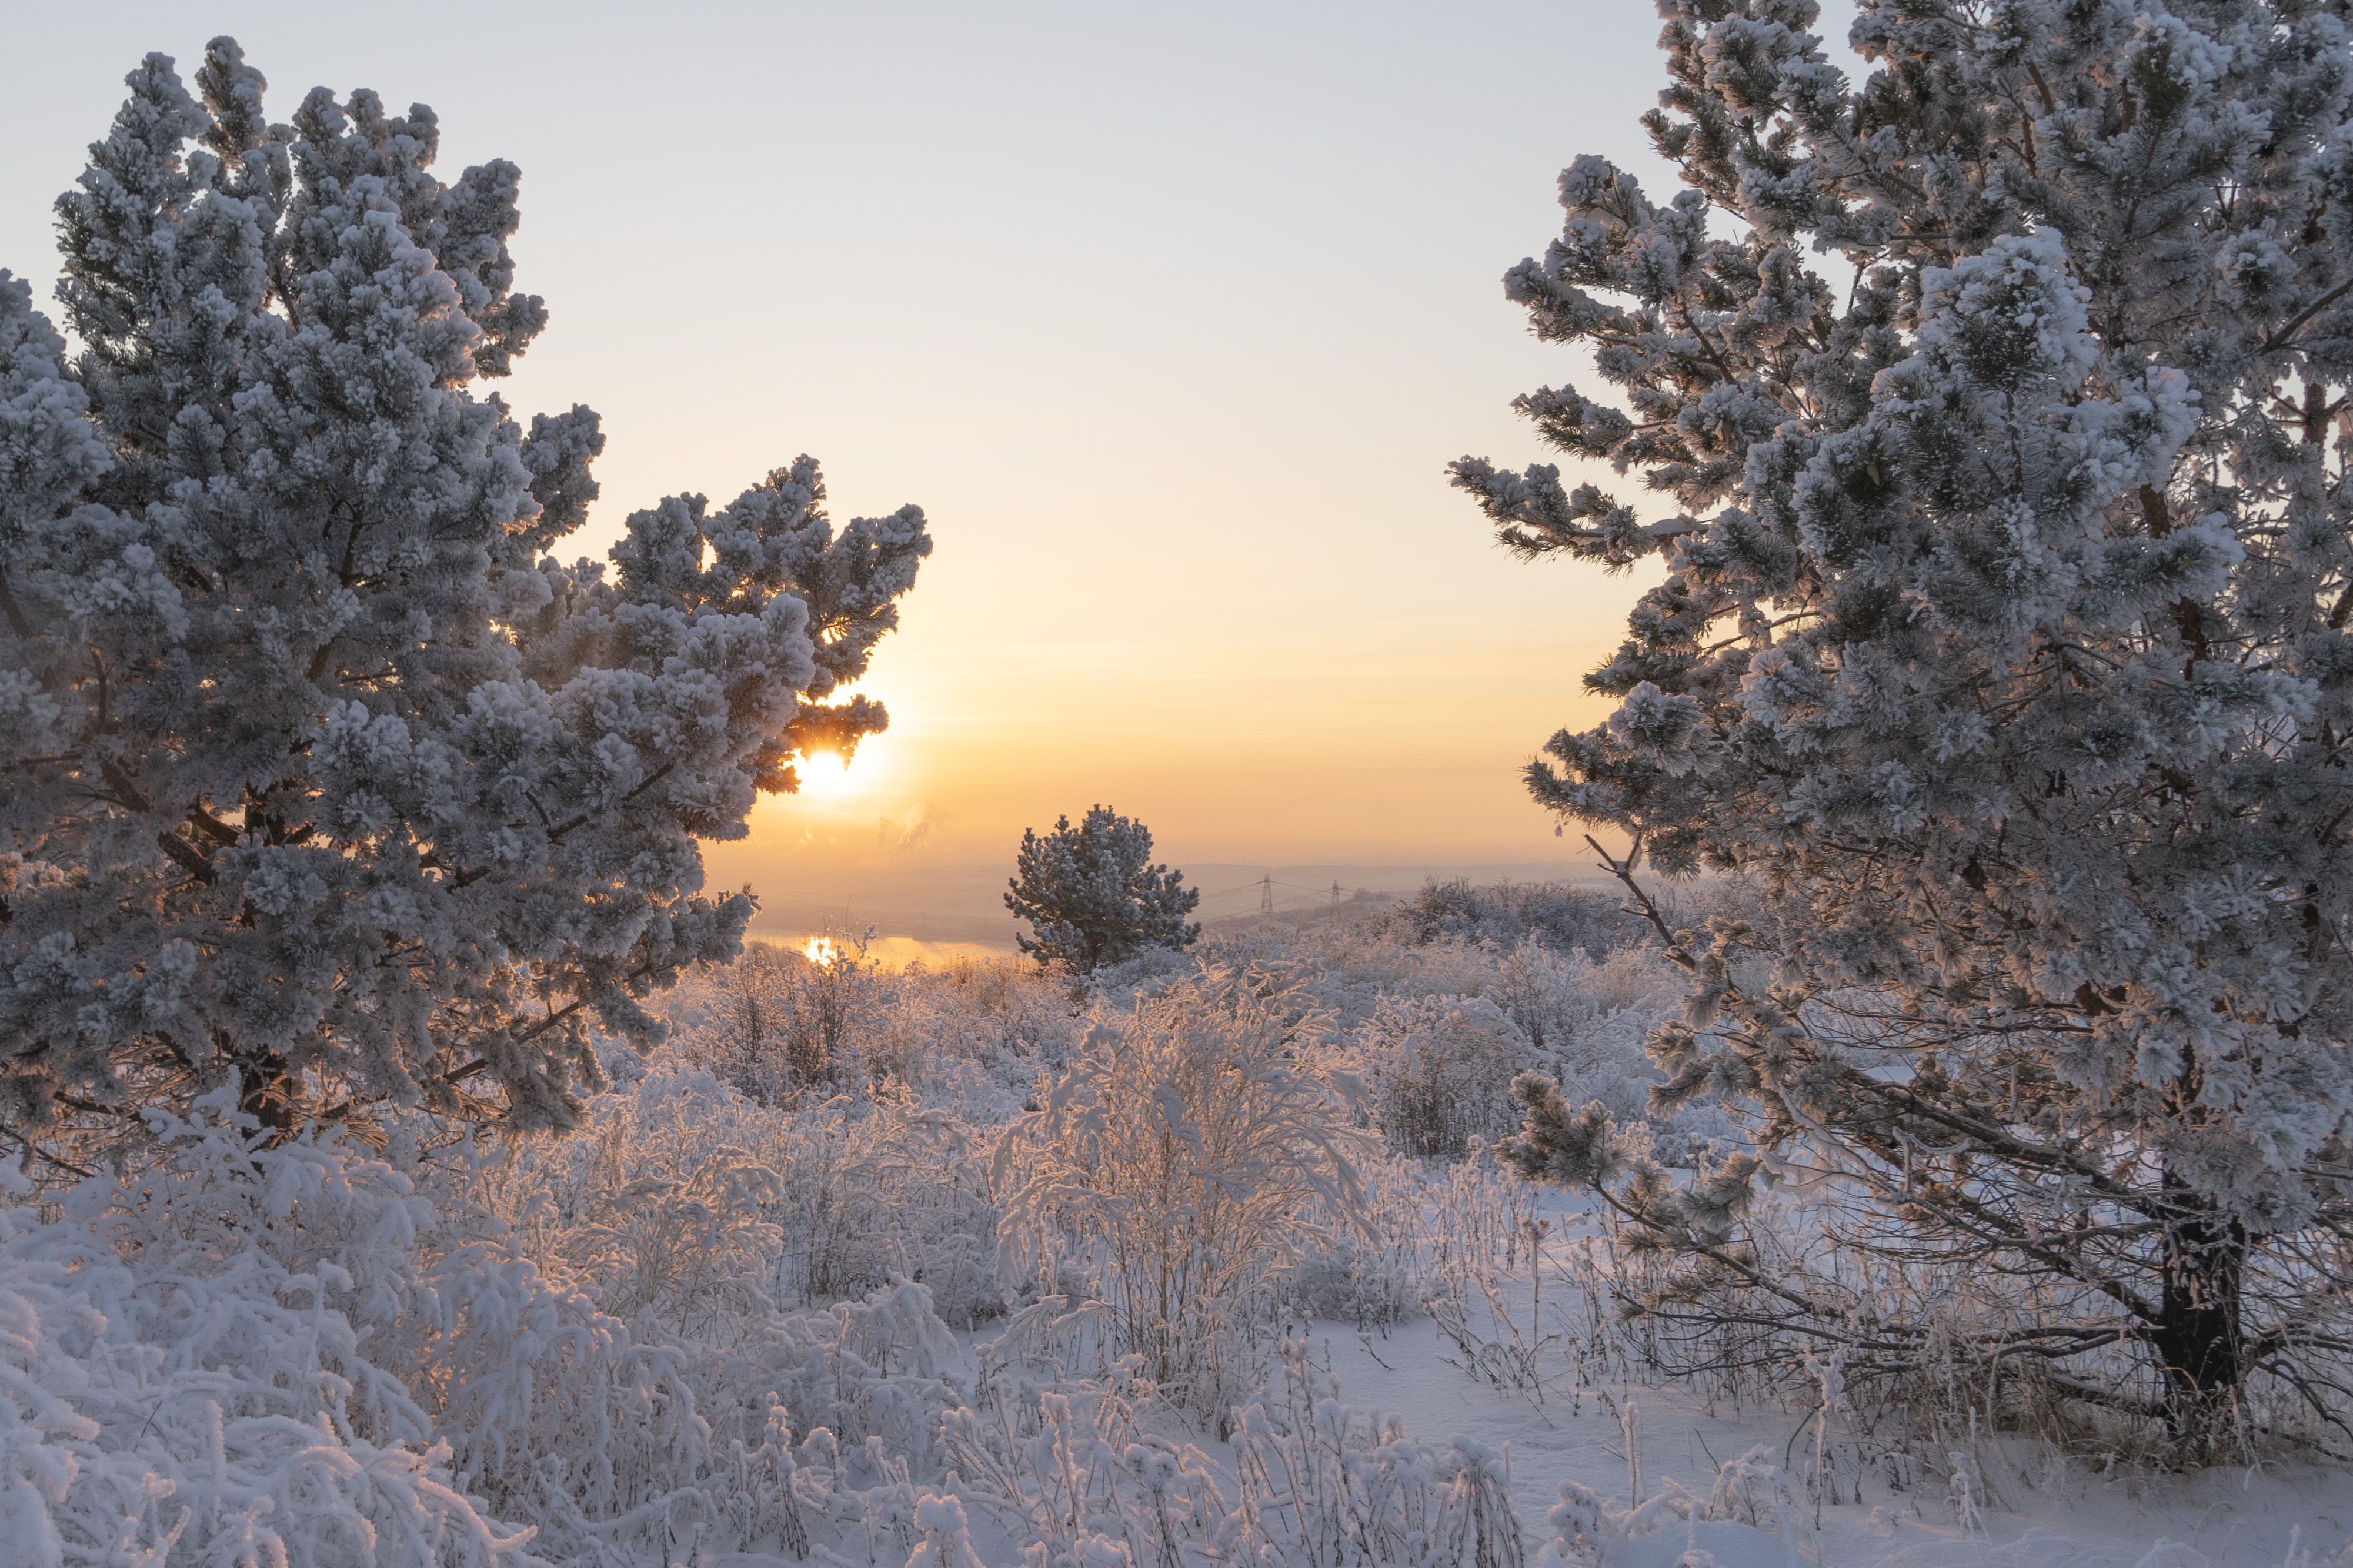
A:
x,y
704,1217
1074,1475
545,1409
1071,1473
781,1027
172,1385
1439,1028
663,1206
974,1035
1183,1162
1536,988
289,1349
836,1197
1323,1484
1563,917
1441,1071
869,1193
970,1036
1749,1496
888,1193
634,1432
947,1541
1428,1231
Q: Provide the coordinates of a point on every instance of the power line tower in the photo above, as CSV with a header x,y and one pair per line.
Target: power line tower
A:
x,y
1266,894
1336,898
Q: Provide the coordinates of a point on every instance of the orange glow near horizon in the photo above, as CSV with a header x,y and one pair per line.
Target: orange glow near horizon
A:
x,y
1198,557
1231,745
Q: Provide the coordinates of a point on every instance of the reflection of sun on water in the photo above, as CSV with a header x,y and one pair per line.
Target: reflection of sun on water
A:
x,y
820,950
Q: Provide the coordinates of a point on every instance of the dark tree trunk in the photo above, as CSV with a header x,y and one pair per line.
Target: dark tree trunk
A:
x,y
2197,1337
266,1093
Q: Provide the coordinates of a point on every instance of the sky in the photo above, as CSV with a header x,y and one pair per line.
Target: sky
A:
x,y
1170,316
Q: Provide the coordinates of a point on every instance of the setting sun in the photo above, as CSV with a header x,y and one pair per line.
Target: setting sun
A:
x,y
828,776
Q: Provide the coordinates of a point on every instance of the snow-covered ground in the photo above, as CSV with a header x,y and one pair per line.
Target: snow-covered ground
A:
x,y
838,1278
2032,1508
2022,1505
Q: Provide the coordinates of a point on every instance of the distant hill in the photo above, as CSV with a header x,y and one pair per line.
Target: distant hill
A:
x,y
964,902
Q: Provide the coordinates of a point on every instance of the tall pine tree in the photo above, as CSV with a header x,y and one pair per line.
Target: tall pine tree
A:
x,y
1996,412
315,766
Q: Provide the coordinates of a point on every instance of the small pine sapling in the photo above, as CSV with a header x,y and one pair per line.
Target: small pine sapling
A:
x,y
1092,895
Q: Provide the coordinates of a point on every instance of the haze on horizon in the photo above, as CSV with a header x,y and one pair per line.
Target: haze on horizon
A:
x,y
1171,322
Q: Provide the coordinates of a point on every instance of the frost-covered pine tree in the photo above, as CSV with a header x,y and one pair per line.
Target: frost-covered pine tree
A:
x,y
1996,412
315,766
1093,897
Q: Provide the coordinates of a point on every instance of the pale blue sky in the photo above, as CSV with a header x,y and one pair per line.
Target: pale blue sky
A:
x,y
1171,317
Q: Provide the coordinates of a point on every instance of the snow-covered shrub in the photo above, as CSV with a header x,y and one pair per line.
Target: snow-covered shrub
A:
x,y
865,1383
870,1372
298,1343
1595,1015
665,1206
547,1409
1536,988
1441,1071
1747,1516
1183,1160
1439,1028
682,1195
182,1373
1426,1232
974,1035
1072,1474
970,1036
1564,917
947,1538
1024,1015
782,1027
1323,1484
885,1192
598,1329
